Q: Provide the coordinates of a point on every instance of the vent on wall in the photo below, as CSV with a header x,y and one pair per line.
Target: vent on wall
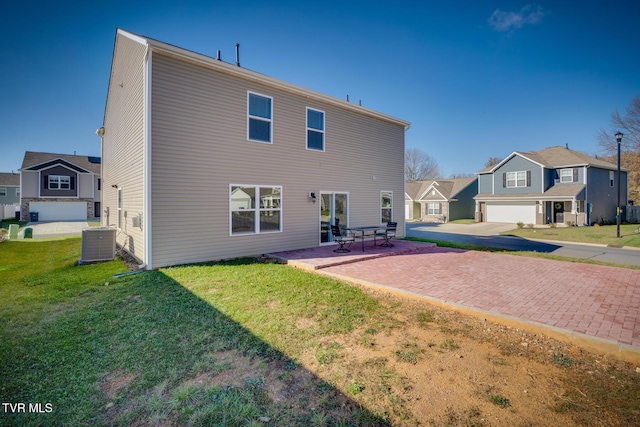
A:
x,y
98,244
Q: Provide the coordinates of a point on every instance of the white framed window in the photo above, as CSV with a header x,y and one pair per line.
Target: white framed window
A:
x,y
3,191
516,179
119,207
566,175
59,182
17,192
611,178
255,209
315,129
434,208
386,206
259,117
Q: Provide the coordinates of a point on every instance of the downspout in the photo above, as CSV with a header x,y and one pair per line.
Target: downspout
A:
x,y
146,173
587,211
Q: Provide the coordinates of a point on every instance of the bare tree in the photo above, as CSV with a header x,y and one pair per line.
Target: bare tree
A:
x,y
462,175
419,166
492,161
629,125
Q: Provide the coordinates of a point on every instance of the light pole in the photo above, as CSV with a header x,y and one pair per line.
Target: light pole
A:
x,y
619,136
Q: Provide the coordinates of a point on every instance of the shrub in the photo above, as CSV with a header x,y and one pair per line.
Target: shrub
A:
x,y
520,224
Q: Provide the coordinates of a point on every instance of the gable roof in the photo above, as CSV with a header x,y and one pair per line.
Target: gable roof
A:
x,y
449,188
9,179
34,160
554,158
246,74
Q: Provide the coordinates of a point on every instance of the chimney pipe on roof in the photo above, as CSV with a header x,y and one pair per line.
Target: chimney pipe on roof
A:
x,y
237,54
566,145
218,55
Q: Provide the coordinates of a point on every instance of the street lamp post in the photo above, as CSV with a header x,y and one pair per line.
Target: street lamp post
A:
x,y
619,136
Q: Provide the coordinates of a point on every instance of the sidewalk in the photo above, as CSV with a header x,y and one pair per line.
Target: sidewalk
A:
x,y
596,307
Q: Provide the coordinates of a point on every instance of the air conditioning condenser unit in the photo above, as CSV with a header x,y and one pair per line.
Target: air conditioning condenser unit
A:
x,y
98,244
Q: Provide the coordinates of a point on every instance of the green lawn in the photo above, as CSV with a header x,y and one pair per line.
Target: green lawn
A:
x,y
98,350
230,344
606,234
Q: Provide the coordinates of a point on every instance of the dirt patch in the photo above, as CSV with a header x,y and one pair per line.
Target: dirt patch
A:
x,y
115,382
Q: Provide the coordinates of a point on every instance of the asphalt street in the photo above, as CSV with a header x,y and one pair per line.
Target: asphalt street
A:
x,y
487,235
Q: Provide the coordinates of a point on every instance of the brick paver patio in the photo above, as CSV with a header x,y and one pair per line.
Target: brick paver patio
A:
x,y
586,301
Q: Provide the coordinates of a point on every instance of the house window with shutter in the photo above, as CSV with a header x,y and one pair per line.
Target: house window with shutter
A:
x,y
569,175
59,182
517,179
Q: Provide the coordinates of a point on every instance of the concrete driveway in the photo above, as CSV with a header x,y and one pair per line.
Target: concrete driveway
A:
x,y
43,230
475,229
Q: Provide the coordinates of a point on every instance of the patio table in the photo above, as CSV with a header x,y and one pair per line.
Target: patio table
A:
x,y
366,230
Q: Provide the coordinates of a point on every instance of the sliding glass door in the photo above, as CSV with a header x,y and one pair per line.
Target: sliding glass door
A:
x,y
334,208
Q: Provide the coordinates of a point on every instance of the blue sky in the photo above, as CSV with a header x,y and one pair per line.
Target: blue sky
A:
x,y
476,79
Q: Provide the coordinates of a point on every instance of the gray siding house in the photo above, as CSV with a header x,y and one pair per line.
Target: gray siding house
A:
x,y
205,160
441,200
9,188
59,187
553,185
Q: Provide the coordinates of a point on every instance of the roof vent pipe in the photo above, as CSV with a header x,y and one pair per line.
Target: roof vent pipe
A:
x,y
237,54
218,57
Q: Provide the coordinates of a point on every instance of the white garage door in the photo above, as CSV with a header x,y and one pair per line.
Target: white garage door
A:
x,y
59,211
512,212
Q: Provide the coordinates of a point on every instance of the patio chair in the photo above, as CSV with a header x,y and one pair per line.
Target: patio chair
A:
x,y
344,241
387,234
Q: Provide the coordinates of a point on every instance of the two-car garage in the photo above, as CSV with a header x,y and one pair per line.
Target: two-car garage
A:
x,y
59,211
512,212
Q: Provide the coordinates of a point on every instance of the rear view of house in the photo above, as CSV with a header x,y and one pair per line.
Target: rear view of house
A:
x,y
205,160
59,187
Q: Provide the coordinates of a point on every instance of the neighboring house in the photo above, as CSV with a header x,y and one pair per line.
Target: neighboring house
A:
x,y
9,188
553,185
60,187
205,160
441,200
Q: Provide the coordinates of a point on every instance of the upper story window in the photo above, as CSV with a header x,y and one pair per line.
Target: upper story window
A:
x,y
18,192
315,129
259,117
611,175
255,209
516,179
3,191
569,175
386,206
59,182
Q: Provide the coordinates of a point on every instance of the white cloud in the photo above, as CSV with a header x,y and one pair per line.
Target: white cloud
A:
x,y
507,21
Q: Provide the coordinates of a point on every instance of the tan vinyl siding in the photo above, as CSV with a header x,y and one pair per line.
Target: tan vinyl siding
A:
x,y
85,186
123,143
30,184
200,147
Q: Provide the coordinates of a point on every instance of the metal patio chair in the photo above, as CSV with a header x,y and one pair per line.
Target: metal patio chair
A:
x,y
344,241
